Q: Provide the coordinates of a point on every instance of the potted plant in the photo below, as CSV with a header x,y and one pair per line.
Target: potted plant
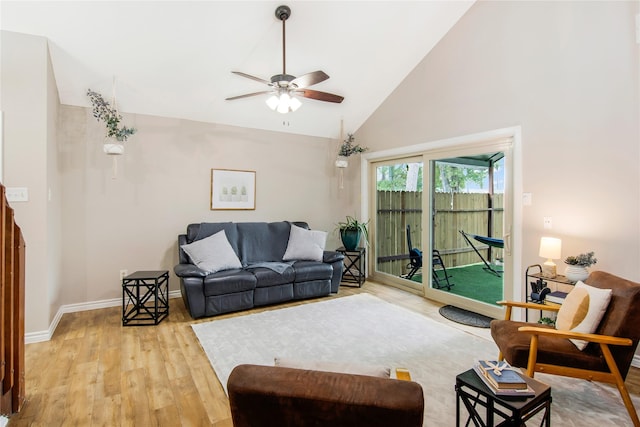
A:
x,y
108,113
348,148
351,231
577,266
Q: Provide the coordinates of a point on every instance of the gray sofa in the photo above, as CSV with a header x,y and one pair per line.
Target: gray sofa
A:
x,y
263,275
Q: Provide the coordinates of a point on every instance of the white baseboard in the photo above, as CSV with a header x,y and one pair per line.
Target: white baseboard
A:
x,y
40,336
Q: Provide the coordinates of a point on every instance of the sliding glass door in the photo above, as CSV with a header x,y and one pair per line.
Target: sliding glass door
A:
x,y
467,229
440,222
398,221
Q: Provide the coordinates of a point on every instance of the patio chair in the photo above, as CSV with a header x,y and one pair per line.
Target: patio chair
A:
x,y
608,354
439,271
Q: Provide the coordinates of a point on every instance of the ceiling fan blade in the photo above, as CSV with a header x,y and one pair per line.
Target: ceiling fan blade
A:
x,y
249,76
320,96
247,95
310,79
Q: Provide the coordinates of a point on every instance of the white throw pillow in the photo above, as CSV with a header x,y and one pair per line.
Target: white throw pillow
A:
x,y
305,244
582,311
213,253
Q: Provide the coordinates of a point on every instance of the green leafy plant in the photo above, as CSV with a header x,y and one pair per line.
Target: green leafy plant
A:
x,y
547,321
348,148
108,114
353,224
583,260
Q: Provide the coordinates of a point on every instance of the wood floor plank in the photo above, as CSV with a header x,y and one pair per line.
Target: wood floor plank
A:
x,y
95,372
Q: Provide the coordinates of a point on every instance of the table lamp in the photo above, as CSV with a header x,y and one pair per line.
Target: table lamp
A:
x,y
550,248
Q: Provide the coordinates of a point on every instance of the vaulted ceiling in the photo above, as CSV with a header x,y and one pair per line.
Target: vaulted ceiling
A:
x,y
174,58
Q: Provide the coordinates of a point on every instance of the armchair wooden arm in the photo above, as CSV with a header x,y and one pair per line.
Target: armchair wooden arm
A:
x,y
526,305
600,339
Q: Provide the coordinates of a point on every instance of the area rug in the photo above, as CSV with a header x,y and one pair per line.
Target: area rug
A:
x,y
464,317
365,329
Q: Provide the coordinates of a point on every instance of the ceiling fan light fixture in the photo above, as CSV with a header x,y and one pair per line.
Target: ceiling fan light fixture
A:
x,y
273,101
284,86
283,102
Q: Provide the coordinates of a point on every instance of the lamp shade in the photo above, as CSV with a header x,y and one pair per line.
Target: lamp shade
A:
x,y
550,247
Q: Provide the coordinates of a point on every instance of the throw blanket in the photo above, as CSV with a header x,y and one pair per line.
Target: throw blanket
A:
x,y
278,267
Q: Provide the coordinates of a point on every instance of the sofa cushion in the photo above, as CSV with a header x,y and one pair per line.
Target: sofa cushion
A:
x,y
213,253
312,270
582,310
206,229
305,244
229,282
268,277
515,346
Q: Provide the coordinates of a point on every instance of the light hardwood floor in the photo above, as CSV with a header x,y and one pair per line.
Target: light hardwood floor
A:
x,y
94,372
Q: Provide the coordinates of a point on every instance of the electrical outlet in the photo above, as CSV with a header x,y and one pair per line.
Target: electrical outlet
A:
x,y
547,223
123,274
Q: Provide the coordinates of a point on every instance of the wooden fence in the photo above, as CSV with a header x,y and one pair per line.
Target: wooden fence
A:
x,y
12,265
475,213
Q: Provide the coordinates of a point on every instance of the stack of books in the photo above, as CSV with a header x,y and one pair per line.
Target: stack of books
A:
x,y
502,379
556,297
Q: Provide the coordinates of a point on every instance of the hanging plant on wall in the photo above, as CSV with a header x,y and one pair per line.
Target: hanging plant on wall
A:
x,y
116,130
348,148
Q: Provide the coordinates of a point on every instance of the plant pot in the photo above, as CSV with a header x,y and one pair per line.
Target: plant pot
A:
x,y
576,272
342,162
350,238
113,148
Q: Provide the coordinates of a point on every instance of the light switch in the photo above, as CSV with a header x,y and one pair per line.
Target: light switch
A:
x,y
527,199
17,194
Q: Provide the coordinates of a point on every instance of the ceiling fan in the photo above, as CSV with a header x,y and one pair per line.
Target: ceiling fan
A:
x,y
285,87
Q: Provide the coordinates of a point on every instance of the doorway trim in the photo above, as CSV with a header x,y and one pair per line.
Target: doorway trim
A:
x,y
477,140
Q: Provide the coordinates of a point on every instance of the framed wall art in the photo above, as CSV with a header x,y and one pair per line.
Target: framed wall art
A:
x,y
233,189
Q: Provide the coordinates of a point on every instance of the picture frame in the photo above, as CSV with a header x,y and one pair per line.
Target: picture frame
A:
x,y
233,189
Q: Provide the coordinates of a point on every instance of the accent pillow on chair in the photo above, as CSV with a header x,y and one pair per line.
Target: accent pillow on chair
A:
x,y
305,244
213,253
582,311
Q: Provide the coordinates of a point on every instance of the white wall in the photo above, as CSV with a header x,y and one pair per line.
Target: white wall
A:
x,y
163,184
95,225
28,102
568,73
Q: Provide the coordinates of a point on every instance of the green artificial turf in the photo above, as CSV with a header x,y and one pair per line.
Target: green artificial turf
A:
x,y
472,281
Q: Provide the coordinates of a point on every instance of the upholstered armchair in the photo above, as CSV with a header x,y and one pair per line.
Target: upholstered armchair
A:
x,y
289,397
608,354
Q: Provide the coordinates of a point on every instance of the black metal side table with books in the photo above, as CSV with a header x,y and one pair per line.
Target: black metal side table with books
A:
x,y
513,412
145,298
354,265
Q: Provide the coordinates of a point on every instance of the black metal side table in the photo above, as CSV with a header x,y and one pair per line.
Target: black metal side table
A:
x,y
472,391
145,298
354,265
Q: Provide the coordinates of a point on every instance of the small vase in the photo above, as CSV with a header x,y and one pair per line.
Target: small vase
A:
x,y
576,272
113,148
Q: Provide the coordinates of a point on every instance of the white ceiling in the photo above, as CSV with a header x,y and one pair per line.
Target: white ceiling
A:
x,y
174,58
